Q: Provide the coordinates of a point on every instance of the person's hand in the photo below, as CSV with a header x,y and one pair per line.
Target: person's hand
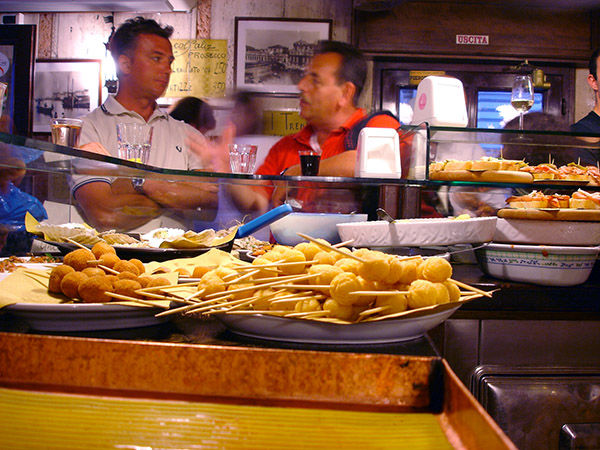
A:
x,y
95,147
280,193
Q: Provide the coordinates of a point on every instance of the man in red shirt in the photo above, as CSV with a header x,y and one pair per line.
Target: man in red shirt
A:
x,y
329,93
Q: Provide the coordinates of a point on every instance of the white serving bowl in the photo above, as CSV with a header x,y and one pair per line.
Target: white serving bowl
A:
x,y
316,225
539,264
548,232
419,232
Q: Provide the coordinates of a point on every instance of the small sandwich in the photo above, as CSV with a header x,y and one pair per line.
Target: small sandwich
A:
x,y
436,166
558,201
486,163
512,164
585,200
535,199
573,171
454,164
593,174
545,171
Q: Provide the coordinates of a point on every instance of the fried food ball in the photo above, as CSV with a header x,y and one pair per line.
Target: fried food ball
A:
x,y
342,286
348,265
112,278
201,270
108,260
183,272
93,271
308,249
144,280
275,254
158,281
94,289
325,273
126,266
422,293
126,276
442,295
79,259
69,285
284,306
360,252
243,294
263,299
375,266
453,291
101,248
408,272
293,256
140,265
267,272
337,255
56,276
338,311
395,303
211,283
436,269
127,287
366,285
307,305
395,271
324,257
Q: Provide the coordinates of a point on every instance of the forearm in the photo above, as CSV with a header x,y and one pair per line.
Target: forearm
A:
x,y
183,195
248,198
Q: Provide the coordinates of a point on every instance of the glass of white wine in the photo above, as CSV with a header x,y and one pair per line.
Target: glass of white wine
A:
x,y
522,96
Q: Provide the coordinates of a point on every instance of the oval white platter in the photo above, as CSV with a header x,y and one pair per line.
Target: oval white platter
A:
x,y
548,232
419,232
315,332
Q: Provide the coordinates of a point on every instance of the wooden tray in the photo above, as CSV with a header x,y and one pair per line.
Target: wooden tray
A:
x,y
222,383
576,215
494,176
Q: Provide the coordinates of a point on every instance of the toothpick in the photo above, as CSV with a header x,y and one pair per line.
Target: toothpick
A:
x,y
343,244
470,288
260,286
181,309
136,300
330,247
378,293
297,299
242,278
368,312
305,286
307,314
71,241
108,269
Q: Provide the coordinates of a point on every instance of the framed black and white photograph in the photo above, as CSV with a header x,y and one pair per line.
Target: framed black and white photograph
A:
x,y
271,54
65,88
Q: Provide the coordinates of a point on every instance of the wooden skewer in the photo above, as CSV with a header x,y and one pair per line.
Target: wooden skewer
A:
x,y
251,311
330,247
151,295
136,300
198,293
470,288
247,275
297,299
264,285
71,241
379,293
34,273
218,307
280,264
269,279
343,244
368,312
322,312
304,286
181,309
108,269
332,320
35,278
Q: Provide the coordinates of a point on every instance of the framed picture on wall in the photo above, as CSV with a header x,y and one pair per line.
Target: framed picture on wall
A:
x,y
65,88
270,54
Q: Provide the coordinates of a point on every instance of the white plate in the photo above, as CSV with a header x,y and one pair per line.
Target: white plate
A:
x,y
84,316
314,332
419,232
548,232
34,266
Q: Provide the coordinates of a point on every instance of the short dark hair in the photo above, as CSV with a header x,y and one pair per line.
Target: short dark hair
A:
x,y
196,112
593,65
353,67
125,38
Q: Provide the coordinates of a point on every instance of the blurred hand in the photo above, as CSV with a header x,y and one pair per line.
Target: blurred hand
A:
x,y
213,155
95,147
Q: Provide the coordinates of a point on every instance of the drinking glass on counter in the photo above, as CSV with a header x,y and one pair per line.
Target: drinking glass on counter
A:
x,y
242,158
309,162
135,140
522,96
66,131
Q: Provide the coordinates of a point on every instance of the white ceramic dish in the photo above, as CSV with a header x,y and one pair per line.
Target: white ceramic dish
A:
x,y
84,316
548,232
316,225
539,264
314,332
419,232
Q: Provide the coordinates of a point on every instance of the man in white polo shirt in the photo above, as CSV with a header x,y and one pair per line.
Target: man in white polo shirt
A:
x,y
143,57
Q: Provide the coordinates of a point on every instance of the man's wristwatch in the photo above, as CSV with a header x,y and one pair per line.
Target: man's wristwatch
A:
x,y
138,184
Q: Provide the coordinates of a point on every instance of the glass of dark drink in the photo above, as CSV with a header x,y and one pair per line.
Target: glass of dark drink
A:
x,y
309,162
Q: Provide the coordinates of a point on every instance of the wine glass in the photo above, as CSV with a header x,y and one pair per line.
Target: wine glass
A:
x,y
521,97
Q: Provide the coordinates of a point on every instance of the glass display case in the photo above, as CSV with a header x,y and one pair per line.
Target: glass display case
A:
x,y
46,174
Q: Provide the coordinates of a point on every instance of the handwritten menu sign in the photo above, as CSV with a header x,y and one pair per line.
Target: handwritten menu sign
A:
x,y
199,68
